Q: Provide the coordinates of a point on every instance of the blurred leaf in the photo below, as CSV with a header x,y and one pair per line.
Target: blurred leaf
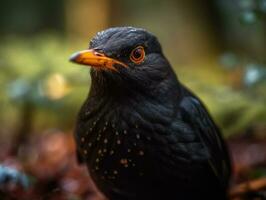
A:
x,y
257,173
229,60
253,74
248,17
18,89
246,4
262,5
12,176
55,86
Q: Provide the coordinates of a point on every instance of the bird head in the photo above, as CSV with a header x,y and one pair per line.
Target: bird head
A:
x,y
125,55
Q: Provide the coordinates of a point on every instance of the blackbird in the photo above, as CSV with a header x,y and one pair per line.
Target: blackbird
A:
x,y
142,134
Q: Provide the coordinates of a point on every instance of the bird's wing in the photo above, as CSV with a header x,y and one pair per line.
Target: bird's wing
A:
x,y
194,113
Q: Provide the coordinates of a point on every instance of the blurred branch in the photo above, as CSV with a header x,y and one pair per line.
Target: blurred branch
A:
x,y
85,18
24,129
247,188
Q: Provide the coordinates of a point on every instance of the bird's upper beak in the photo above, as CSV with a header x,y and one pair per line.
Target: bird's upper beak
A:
x,y
95,59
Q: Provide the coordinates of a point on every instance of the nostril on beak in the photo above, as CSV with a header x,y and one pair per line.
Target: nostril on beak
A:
x,y
98,54
99,49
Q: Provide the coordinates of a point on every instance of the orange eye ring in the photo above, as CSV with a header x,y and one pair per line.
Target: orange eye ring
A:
x,y
137,55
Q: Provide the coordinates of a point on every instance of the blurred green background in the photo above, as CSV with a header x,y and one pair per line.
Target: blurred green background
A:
x,y
217,48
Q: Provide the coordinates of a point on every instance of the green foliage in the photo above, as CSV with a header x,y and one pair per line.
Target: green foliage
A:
x,y
37,71
235,110
252,11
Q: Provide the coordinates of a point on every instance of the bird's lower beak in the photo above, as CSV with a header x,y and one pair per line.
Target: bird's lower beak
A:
x,y
96,60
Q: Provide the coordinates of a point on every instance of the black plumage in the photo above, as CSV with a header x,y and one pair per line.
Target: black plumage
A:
x,y
142,133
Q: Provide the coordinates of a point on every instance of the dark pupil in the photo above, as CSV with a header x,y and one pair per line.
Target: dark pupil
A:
x,y
137,53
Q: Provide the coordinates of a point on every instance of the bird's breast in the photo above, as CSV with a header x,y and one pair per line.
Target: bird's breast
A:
x,y
127,148
116,150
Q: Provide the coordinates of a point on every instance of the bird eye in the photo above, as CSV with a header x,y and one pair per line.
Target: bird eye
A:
x,y
137,55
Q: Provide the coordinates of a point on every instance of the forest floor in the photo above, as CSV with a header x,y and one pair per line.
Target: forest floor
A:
x,y
49,161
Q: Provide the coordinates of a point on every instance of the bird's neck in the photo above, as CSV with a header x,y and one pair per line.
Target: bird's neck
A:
x,y
110,102
107,90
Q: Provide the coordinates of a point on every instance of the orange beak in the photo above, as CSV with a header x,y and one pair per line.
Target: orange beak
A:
x,y
96,60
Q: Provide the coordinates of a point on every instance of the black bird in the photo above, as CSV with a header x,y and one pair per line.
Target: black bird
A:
x,y
142,134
